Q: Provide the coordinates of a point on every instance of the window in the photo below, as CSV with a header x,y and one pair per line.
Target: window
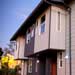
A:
x,y
16,46
36,65
59,22
36,23
60,60
42,29
29,34
30,66
32,31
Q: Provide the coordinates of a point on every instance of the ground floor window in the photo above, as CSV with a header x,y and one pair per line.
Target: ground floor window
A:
x,y
60,60
36,65
30,66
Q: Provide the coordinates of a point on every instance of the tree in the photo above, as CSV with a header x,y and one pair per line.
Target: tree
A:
x,y
1,52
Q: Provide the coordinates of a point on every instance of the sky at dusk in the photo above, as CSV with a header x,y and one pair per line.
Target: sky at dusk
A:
x,y
12,14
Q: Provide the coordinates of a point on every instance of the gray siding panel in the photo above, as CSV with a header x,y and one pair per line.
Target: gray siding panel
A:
x,y
73,37
72,40
67,44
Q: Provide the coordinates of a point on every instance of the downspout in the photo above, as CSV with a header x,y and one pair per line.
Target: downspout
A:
x,y
70,59
49,27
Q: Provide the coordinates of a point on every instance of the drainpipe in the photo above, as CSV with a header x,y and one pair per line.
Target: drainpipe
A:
x,y
70,59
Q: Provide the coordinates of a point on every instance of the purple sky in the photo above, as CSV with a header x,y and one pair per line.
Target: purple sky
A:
x,y
12,14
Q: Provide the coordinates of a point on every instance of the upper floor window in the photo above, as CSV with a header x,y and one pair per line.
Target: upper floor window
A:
x,y
36,23
42,29
32,31
59,22
29,34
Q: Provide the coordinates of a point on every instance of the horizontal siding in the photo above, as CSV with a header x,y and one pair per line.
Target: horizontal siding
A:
x,y
72,40
73,37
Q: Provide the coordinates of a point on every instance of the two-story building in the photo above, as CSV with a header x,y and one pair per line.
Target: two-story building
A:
x,y
45,41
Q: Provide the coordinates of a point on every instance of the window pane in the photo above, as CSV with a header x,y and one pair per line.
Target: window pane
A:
x,y
58,20
43,27
32,32
43,24
60,62
43,19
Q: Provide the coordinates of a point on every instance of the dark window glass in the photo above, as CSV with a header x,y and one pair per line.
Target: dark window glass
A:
x,y
61,59
58,21
43,19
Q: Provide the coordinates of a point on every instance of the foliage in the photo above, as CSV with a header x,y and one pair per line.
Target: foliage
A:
x,y
8,61
8,64
1,52
4,71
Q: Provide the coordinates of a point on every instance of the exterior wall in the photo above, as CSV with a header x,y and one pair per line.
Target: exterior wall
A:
x,y
73,37
72,5
57,38
41,41
67,44
61,70
19,52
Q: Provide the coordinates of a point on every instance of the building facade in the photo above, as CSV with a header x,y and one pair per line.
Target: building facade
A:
x,y
45,41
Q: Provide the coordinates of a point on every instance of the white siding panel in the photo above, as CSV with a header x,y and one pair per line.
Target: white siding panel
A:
x,y
57,38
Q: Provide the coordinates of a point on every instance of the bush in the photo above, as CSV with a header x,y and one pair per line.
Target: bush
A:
x,y
3,71
7,72
12,72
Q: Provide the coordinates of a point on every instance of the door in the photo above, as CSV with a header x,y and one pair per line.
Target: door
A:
x,y
53,67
